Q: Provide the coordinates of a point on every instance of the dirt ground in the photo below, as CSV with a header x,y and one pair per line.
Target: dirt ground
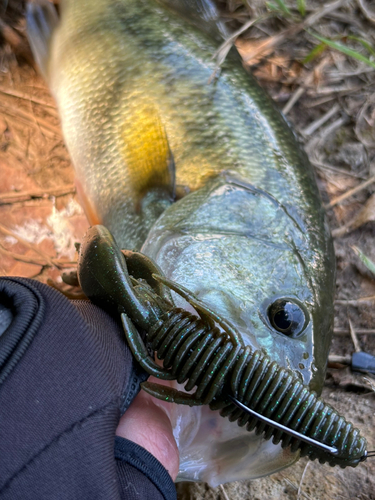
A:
x,y
330,101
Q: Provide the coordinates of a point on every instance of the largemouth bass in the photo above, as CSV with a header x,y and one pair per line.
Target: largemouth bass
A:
x,y
198,170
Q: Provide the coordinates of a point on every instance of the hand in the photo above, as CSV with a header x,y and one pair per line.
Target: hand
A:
x,y
146,424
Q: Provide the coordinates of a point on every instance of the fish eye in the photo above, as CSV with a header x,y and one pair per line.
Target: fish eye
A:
x,y
287,317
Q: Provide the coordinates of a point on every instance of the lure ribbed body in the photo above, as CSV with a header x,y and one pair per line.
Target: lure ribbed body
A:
x,y
201,356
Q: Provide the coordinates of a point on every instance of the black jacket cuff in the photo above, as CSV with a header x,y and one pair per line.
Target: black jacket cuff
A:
x,y
130,456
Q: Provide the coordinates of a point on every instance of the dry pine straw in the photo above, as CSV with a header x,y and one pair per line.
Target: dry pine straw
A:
x,y
330,101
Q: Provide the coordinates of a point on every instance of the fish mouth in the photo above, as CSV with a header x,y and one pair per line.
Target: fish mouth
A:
x,y
214,450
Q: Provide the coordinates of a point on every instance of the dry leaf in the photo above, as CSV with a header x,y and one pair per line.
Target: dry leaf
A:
x,y
366,214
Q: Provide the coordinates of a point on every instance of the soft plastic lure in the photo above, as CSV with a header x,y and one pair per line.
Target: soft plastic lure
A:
x,y
207,352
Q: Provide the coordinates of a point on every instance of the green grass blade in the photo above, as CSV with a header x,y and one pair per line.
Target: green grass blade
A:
x,y
365,44
301,6
364,259
316,51
344,49
272,7
283,7
280,7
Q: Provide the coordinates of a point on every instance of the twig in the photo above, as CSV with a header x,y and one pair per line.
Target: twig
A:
x,y
10,198
331,93
341,332
350,193
26,97
16,42
342,360
301,481
370,382
17,121
21,258
10,35
365,214
307,81
338,90
338,76
354,337
341,171
224,48
321,121
295,487
325,132
361,116
29,117
332,127
315,144
223,492
295,97
356,302
313,103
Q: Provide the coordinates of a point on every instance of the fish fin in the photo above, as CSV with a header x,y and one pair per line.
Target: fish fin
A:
x,y
181,191
42,19
148,157
87,206
203,13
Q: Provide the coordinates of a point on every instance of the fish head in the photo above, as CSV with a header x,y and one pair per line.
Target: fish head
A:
x,y
241,252
256,264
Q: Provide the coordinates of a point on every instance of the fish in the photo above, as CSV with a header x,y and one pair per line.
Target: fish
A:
x,y
195,167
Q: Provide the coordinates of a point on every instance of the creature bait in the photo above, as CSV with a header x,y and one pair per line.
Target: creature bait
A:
x,y
228,375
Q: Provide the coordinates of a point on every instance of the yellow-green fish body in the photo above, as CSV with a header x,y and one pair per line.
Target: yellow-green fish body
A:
x,y
132,85
146,116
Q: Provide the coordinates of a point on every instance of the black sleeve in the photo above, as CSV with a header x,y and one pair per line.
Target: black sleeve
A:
x,y
66,376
